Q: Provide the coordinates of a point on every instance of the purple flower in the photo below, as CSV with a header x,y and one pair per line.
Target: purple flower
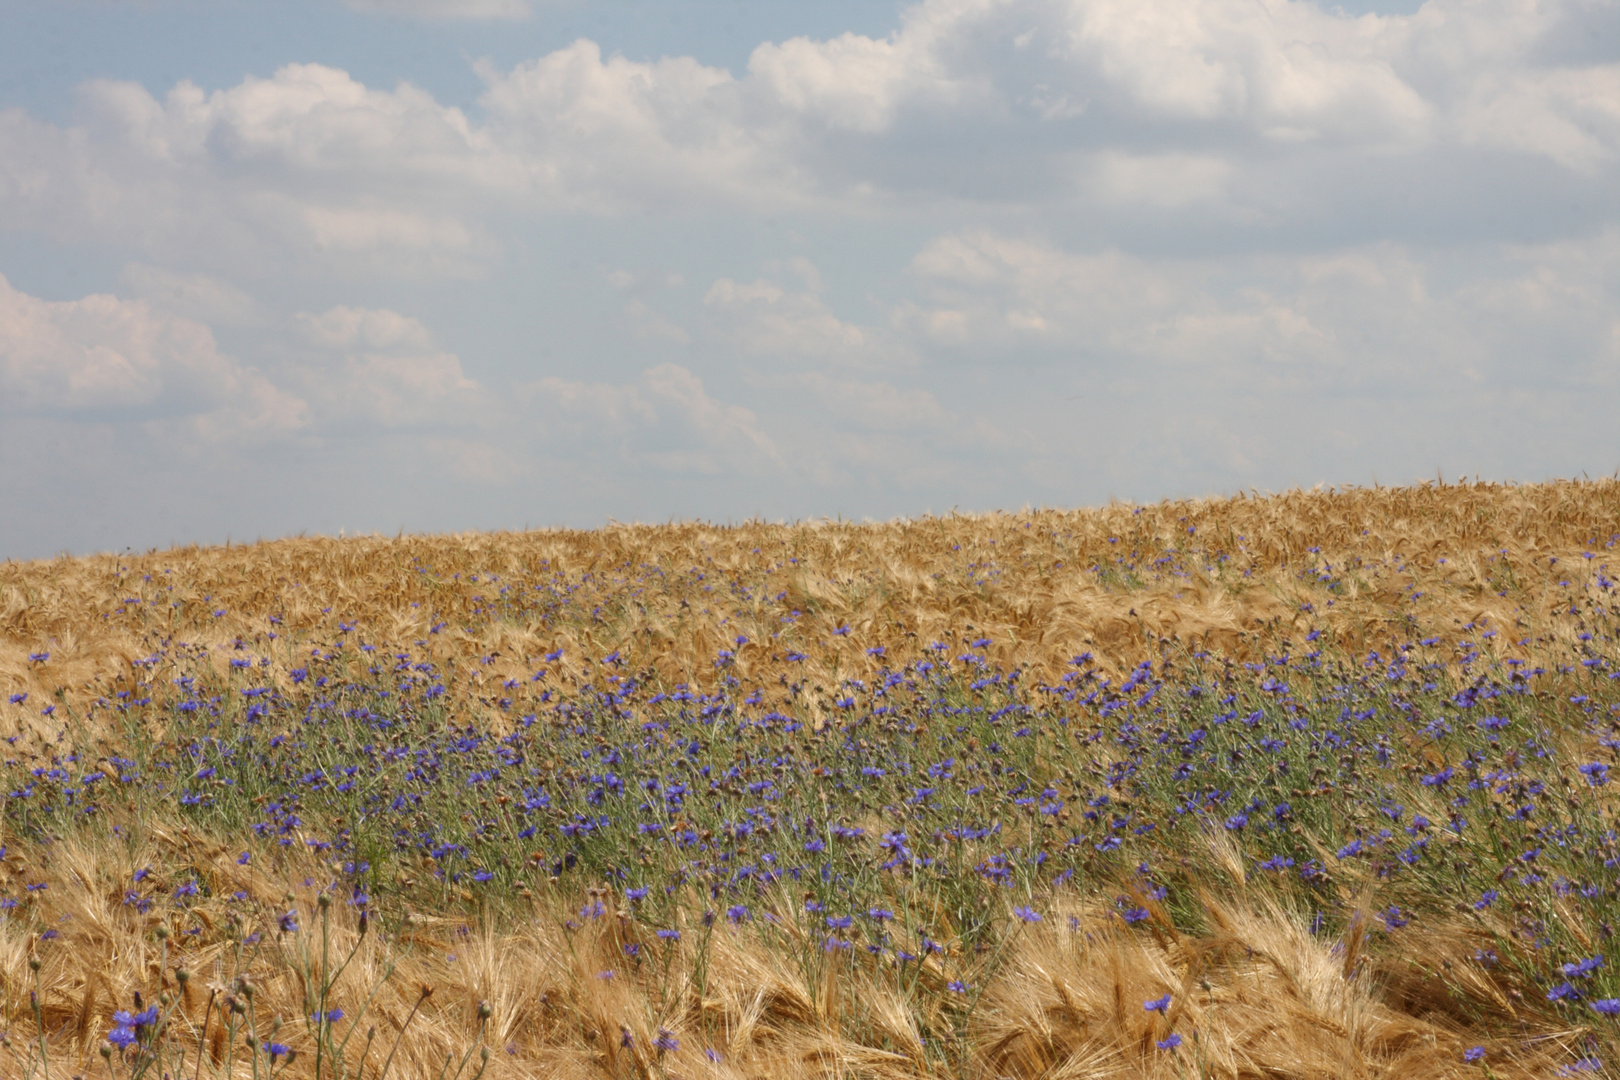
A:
x,y
1158,1005
957,986
1027,914
1473,1053
1169,1044
1583,968
288,922
737,913
275,1049
666,1040
121,1036
1606,1006
1438,779
1596,773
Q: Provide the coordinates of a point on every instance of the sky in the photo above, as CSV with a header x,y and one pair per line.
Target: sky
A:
x,y
311,266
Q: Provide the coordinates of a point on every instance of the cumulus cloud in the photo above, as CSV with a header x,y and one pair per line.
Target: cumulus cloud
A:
x,y
307,162
1237,111
385,368
101,356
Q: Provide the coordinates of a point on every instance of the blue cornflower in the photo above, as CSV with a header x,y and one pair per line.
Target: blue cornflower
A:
x,y
957,986
1606,1006
1486,899
1596,773
1027,914
1583,968
1158,1005
1170,1043
1473,1053
736,913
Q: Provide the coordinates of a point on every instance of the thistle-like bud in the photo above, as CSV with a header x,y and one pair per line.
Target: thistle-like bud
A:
x,y
182,976
484,1010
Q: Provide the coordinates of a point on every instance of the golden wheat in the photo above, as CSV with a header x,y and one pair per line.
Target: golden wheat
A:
x,y
1267,997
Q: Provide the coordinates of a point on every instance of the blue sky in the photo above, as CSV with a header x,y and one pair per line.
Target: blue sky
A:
x,y
457,264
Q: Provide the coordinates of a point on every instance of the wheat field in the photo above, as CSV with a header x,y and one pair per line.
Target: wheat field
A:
x,y
1101,793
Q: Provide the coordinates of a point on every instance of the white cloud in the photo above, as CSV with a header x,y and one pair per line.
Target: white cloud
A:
x,y
306,162
614,134
101,356
1377,319
383,367
1169,104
